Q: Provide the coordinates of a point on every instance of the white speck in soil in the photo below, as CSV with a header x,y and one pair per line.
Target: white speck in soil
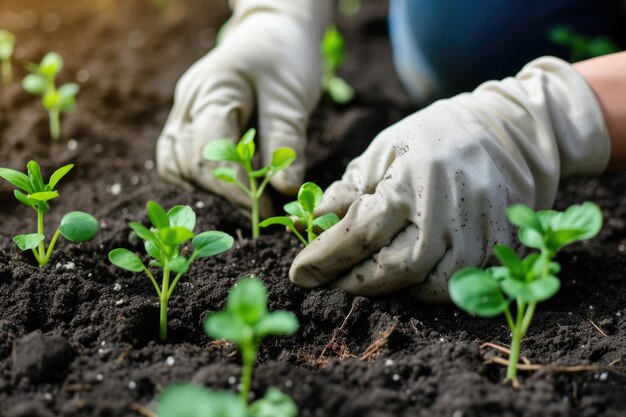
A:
x,y
457,413
618,314
170,361
232,380
120,302
149,164
132,384
103,343
395,377
603,376
47,396
117,286
70,266
389,362
621,247
134,180
72,144
199,204
100,377
441,339
103,224
82,75
289,383
116,188
89,275
590,307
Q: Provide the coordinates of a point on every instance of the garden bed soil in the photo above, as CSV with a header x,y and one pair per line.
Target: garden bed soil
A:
x,y
78,337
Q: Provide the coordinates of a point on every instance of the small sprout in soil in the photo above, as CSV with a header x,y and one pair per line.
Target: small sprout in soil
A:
x,y
224,150
163,241
7,45
333,56
489,292
76,226
581,47
309,197
41,82
245,321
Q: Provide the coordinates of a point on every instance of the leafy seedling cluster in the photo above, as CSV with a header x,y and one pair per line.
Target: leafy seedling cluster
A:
x,y
7,46
524,282
42,82
163,242
333,56
310,196
582,47
242,153
75,226
245,321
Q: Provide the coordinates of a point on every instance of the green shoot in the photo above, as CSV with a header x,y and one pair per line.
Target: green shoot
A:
x,y
41,82
7,45
489,292
76,226
224,150
310,196
245,321
582,47
333,56
170,230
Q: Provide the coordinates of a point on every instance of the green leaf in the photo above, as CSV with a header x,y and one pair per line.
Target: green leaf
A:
x,y
523,216
310,196
34,84
69,90
245,148
153,250
226,325
326,221
279,220
531,238
282,158
7,44
339,90
260,172
23,198
582,221
182,216
143,232
67,104
226,174
221,150
538,290
189,400
19,179
26,242
126,259
179,264
212,243
43,195
174,236
274,404
34,174
52,100
50,65
278,322
509,258
157,215
295,209
248,300
58,174
477,292
78,226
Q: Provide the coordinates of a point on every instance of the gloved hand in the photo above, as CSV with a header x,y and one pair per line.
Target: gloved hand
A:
x,y
429,195
270,53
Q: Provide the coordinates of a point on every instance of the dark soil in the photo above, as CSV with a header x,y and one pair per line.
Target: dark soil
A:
x,y
78,337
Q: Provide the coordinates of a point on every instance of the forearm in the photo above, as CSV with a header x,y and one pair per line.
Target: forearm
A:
x,y
606,76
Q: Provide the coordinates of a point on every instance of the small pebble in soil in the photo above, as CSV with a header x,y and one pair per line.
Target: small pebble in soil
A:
x,y
389,362
100,377
395,377
289,383
603,376
621,247
132,384
82,75
117,287
116,188
170,361
457,413
590,307
149,164
199,204
134,180
120,302
232,380
72,144
47,396
618,314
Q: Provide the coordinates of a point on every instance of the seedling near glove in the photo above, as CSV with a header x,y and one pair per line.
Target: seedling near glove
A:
x,y
333,56
224,150
75,226
582,47
163,242
244,321
7,45
310,196
41,82
489,292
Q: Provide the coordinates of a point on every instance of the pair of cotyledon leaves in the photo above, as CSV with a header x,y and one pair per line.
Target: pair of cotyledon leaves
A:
x,y
75,226
488,292
41,83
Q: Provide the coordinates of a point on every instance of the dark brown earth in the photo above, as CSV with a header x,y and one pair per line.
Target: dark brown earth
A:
x,y
78,338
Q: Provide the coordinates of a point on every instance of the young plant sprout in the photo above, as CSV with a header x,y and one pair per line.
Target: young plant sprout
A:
x,y
581,47
333,56
224,150
310,196
526,282
170,231
76,226
41,82
245,321
7,45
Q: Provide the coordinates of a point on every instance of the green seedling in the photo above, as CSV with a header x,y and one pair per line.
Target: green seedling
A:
x,y
7,45
76,226
490,292
310,196
582,47
163,242
244,321
333,56
41,82
242,153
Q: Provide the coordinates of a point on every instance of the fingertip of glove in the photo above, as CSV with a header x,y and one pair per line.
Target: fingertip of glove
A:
x,y
305,276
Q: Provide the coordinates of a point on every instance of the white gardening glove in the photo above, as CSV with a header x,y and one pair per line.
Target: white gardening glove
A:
x,y
268,57
429,195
